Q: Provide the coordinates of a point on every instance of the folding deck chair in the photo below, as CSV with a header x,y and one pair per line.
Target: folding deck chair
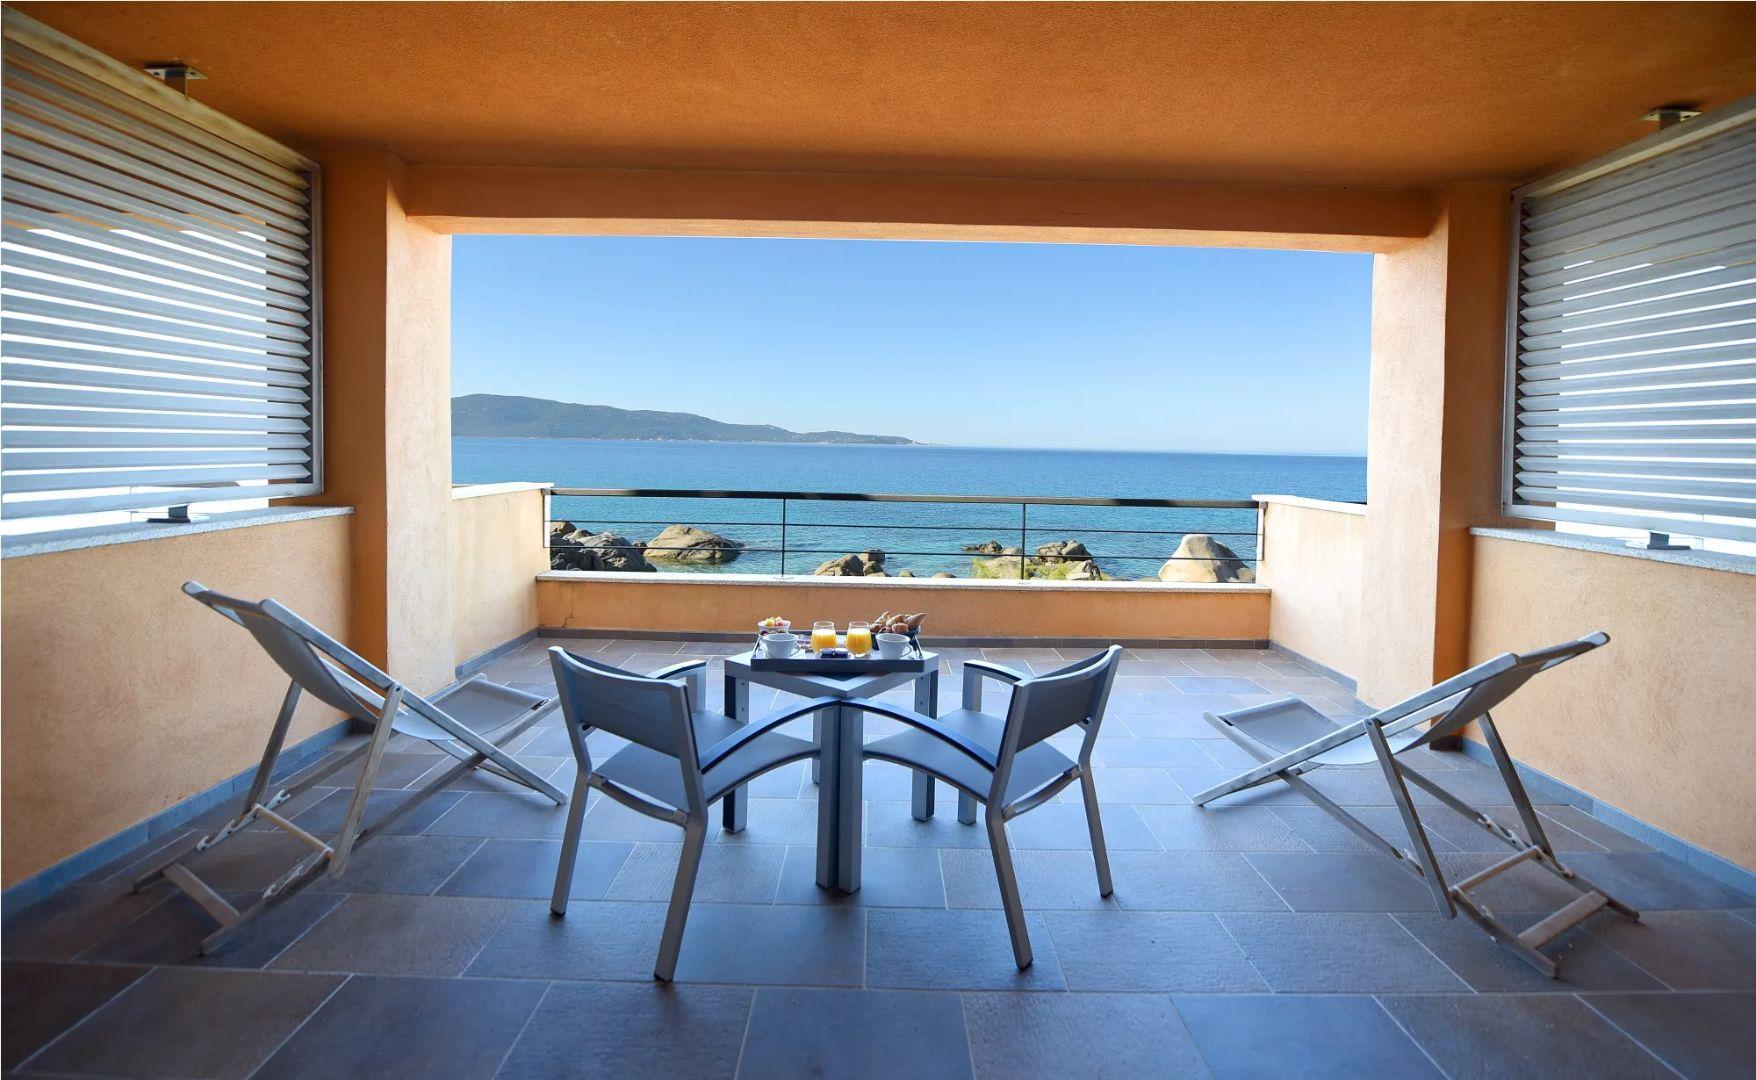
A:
x,y
1291,738
457,720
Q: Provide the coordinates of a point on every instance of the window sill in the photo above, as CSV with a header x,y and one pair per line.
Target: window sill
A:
x,y
1705,560
45,543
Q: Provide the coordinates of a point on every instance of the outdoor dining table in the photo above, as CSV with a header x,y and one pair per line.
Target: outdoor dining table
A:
x,y
840,742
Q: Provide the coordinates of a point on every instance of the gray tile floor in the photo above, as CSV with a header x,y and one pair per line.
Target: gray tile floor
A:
x,y
1253,938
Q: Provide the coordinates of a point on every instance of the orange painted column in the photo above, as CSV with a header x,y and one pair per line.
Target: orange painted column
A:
x,y
387,413
1433,448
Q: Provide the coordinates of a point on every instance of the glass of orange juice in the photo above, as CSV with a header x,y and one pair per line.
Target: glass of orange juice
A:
x,y
822,636
859,638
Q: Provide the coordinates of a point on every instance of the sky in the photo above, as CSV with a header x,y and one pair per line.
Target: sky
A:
x,y
1036,345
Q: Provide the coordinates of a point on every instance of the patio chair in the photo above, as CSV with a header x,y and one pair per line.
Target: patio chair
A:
x,y
679,760
1291,739
1006,765
457,720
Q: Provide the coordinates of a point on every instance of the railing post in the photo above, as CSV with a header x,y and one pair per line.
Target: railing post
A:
x,y
783,538
1023,535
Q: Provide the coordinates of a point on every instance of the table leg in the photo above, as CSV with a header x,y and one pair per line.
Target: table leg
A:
x,y
927,704
735,807
850,796
828,802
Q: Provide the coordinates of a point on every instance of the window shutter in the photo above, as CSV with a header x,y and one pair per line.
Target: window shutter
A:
x,y
158,295
1634,336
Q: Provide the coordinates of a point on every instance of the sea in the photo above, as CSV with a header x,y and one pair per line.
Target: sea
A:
x,y
923,538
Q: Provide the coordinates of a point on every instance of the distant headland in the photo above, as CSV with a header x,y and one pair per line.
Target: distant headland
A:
x,y
503,416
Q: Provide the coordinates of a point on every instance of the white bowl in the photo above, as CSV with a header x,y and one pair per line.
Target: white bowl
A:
x,y
779,646
783,628
892,646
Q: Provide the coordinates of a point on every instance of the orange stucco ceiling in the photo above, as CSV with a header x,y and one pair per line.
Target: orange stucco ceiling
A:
x,y
1381,94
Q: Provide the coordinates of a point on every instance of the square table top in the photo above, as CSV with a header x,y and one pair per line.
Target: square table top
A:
x,y
811,684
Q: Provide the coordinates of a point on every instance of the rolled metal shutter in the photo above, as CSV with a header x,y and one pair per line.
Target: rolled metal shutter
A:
x,y
158,296
1634,336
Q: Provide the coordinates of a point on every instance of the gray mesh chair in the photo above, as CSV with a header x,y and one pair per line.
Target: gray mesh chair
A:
x,y
1006,765
457,720
1291,739
679,760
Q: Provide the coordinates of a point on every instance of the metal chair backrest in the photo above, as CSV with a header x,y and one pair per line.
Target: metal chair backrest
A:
x,y
1073,696
653,713
1486,685
303,652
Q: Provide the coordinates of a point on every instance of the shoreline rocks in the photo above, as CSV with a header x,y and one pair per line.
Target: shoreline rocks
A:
x,y
688,544
866,564
580,549
1201,558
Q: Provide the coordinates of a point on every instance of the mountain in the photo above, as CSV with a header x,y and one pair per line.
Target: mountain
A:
x,y
498,415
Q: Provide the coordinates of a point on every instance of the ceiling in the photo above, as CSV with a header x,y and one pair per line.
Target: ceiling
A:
x,y
1270,93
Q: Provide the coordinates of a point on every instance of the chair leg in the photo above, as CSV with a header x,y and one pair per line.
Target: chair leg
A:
x,y
966,808
921,798
1100,852
1009,898
735,810
688,864
570,846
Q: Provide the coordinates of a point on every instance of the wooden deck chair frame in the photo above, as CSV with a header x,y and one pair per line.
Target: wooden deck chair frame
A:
x,y
1447,708
341,678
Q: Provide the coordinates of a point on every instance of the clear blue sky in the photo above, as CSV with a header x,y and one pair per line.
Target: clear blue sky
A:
x,y
1129,348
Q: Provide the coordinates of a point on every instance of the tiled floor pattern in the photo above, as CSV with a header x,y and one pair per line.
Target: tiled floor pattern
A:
x,y
1254,938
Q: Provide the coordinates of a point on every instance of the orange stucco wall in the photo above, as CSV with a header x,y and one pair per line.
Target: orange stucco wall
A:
x,y
1313,563
124,697
387,412
1658,722
967,609
498,547
1433,448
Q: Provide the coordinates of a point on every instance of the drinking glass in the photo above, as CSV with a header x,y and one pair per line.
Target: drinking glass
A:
x,y
859,638
822,635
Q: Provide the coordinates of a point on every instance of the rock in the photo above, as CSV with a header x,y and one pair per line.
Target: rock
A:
x,y
688,544
1084,570
599,551
942,573
874,557
1246,575
1062,551
1012,551
843,566
1011,566
1201,558
905,573
986,547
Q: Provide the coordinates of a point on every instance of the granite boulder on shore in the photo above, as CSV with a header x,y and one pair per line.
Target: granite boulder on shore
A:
x,y
688,544
1202,559
572,548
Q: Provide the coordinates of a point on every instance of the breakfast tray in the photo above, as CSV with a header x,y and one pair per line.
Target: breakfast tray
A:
x,y
808,663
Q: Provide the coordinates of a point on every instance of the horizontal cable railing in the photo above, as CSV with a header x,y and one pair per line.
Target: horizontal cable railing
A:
x,y
849,534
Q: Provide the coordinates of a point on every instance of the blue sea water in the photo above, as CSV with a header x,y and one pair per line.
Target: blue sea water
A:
x,y
1127,542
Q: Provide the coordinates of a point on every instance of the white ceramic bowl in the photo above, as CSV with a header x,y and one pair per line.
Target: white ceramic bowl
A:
x,y
783,628
779,646
892,646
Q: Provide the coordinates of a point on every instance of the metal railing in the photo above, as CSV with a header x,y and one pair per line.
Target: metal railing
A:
x,y
791,531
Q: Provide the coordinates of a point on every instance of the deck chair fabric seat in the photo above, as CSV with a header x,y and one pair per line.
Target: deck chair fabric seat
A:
x,y
1291,738
458,720
1285,725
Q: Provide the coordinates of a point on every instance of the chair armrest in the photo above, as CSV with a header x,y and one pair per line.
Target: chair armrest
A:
x,y
719,751
956,740
988,670
671,671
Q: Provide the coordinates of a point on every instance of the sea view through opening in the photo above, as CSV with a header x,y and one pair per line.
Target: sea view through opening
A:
x,y
924,539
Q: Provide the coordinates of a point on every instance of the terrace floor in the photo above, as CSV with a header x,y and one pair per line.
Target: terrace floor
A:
x,y
1253,938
